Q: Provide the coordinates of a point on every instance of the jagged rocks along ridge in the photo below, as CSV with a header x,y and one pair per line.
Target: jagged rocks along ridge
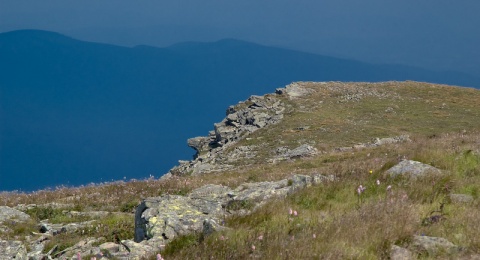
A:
x,y
242,119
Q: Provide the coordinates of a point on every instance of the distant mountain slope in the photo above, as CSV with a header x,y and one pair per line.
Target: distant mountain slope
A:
x,y
74,112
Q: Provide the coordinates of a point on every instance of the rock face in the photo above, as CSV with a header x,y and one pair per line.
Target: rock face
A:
x,y
412,168
163,218
241,120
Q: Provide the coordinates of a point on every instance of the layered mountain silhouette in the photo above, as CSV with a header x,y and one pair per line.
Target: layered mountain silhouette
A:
x,y
74,112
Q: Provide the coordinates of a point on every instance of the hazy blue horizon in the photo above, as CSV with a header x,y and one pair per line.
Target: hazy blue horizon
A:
x,y
432,34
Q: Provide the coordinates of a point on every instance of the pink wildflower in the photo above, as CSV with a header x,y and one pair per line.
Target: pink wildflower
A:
x,y
360,189
222,238
79,257
260,237
295,213
253,247
314,236
290,212
159,257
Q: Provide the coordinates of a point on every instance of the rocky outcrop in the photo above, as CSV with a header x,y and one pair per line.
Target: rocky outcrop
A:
x,y
413,169
163,218
293,90
242,119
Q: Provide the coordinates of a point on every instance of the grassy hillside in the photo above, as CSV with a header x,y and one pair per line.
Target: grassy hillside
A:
x,y
333,220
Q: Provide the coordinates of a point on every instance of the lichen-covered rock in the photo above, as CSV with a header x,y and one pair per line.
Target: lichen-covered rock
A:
x,y
163,218
169,216
259,192
413,169
12,250
300,181
210,226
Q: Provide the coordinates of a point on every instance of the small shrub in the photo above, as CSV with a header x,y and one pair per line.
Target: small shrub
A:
x,y
41,213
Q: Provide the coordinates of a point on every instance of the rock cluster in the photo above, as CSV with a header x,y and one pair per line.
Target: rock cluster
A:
x,y
241,120
160,219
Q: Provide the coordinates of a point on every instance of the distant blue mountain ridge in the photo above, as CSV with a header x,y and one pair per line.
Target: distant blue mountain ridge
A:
x,y
75,112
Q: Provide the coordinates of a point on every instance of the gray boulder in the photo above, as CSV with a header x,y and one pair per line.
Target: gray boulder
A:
x,y
413,169
7,213
400,253
303,150
55,229
461,198
434,245
12,250
391,140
